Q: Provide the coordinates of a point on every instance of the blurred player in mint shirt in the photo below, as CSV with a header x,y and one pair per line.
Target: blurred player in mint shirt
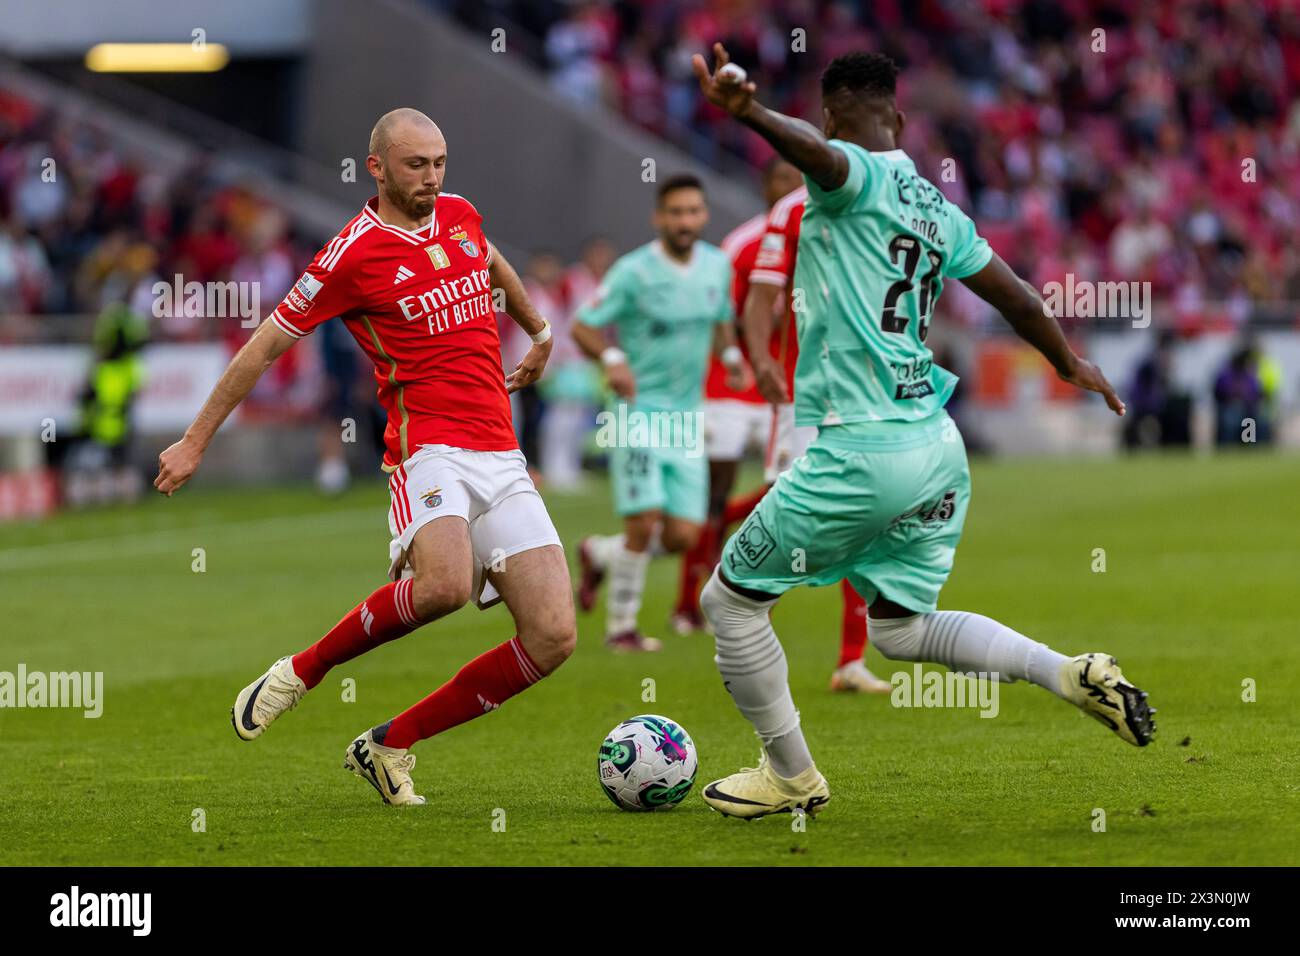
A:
x,y
880,496
669,303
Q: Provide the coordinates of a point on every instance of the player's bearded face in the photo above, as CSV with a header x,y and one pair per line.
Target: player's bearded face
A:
x,y
414,199
681,219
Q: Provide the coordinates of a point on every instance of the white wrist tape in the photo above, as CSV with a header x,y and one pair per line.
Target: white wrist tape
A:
x,y
732,357
613,356
543,336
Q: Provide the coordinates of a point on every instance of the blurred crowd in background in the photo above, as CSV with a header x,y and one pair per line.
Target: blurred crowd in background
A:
x,y
1172,156
1122,161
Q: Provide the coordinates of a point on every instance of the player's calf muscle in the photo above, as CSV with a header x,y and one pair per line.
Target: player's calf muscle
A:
x,y
536,588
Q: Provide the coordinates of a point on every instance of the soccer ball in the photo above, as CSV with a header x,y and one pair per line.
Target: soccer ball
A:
x,y
647,763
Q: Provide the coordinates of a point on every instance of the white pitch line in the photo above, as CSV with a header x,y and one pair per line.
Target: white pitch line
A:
x,y
136,544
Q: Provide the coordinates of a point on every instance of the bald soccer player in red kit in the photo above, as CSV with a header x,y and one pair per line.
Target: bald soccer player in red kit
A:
x,y
411,277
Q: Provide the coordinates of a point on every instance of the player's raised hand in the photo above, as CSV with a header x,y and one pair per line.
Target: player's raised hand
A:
x,y
1086,375
530,369
725,88
176,466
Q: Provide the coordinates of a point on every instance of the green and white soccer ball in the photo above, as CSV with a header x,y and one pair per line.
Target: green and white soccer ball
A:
x,y
647,763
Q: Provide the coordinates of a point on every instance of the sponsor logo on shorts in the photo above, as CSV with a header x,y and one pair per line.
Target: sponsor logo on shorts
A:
x,y
913,390
432,499
753,543
931,512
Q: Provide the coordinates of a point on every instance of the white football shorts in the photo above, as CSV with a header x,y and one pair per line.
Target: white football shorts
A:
x,y
491,490
732,425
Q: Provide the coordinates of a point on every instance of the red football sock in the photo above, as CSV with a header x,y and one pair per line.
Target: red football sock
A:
x,y
479,687
384,616
738,508
853,628
696,565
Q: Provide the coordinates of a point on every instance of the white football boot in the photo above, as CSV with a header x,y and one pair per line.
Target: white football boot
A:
x,y
262,701
758,791
1094,684
387,769
855,678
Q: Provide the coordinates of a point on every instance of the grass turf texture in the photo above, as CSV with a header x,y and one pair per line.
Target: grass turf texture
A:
x,y
1199,593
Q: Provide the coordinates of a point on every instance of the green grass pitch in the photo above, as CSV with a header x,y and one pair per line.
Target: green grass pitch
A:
x,y
1199,594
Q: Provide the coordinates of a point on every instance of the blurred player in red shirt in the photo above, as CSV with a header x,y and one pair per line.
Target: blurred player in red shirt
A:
x,y
412,278
774,378
732,420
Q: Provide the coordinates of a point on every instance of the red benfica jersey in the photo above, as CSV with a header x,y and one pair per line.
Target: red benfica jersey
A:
x,y
774,265
741,244
420,305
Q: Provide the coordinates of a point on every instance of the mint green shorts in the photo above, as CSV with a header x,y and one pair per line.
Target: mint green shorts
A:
x,y
672,480
879,503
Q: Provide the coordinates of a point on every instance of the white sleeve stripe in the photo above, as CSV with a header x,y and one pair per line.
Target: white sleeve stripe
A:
x,y
767,277
284,326
329,261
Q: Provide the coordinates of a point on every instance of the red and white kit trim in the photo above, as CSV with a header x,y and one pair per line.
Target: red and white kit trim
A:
x,y
400,510
525,662
405,606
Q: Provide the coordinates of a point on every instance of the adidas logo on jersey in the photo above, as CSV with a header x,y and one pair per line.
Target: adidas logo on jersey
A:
x,y
403,274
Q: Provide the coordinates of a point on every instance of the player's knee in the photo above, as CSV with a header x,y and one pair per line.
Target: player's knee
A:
x,y
435,596
724,608
678,537
551,644
897,638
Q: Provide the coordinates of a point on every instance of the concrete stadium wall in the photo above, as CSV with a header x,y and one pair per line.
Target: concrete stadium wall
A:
x,y
544,173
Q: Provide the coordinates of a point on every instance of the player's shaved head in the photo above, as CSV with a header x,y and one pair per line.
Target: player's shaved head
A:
x,y
408,158
392,125
858,100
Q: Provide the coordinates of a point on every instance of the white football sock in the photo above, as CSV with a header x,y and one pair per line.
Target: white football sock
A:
x,y
604,548
753,667
626,582
966,643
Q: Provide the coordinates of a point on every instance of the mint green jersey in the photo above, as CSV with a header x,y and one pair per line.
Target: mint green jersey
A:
x,y
664,312
872,258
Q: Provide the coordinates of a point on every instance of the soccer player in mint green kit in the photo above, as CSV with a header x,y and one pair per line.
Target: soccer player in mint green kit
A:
x,y
881,494
670,302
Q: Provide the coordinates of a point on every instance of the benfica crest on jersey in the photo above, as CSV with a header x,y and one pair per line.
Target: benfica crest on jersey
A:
x,y
438,255
467,245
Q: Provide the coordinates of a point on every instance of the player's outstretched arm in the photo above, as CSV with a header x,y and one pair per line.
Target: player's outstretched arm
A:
x,y
756,325
799,142
594,345
178,463
525,315
1023,308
